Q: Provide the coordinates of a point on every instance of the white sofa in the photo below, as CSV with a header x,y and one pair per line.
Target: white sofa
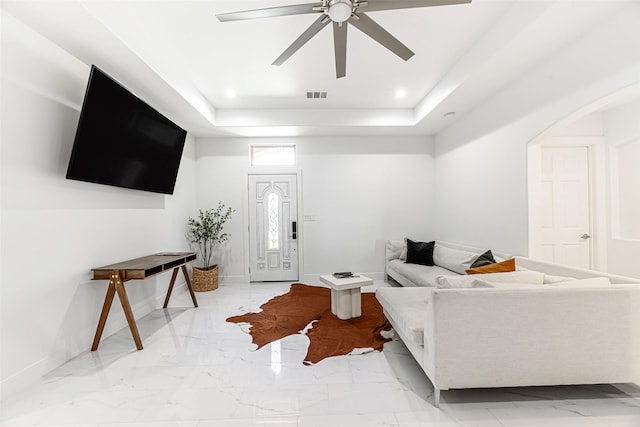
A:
x,y
573,332
421,275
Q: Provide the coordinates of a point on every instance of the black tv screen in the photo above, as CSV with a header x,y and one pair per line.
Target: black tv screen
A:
x,y
124,142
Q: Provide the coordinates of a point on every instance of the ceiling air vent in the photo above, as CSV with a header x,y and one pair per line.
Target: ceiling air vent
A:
x,y
316,95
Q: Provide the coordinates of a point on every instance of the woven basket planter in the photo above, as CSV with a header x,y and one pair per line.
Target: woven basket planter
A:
x,y
205,279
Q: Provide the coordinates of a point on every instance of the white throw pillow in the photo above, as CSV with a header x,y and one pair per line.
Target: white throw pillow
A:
x,y
527,276
466,281
594,282
550,279
454,282
453,259
476,283
479,283
394,249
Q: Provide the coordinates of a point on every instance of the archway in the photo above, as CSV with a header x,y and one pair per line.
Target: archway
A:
x,y
609,133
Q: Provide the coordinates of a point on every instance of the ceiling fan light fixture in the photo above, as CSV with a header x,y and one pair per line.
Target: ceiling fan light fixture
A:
x,y
340,10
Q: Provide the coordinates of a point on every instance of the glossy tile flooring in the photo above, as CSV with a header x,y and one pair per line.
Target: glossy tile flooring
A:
x,y
196,370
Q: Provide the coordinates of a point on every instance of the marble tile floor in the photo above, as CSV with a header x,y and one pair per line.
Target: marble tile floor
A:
x,y
196,370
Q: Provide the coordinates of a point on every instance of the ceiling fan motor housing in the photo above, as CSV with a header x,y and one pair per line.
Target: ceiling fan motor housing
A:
x,y
340,10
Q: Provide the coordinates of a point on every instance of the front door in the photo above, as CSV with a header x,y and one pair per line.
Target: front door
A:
x,y
273,231
565,211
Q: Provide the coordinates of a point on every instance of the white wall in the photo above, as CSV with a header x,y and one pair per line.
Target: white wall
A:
x,y
361,192
484,202
54,230
622,135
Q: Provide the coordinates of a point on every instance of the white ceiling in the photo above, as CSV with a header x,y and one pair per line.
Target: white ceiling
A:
x,y
178,57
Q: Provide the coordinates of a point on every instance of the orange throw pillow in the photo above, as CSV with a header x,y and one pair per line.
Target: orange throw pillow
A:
x,y
498,267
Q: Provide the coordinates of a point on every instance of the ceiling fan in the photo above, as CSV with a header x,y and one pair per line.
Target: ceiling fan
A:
x,y
340,12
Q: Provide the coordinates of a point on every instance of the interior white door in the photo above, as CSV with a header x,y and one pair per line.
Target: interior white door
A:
x,y
565,208
273,231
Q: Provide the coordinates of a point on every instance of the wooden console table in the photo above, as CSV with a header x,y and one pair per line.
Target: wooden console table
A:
x,y
139,268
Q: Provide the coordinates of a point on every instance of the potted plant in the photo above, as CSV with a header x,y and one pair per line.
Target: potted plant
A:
x,y
206,232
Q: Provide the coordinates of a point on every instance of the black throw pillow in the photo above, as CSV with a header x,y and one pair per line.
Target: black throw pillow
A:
x,y
420,252
484,259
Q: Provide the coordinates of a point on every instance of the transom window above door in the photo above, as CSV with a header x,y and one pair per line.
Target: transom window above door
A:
x,y
273,155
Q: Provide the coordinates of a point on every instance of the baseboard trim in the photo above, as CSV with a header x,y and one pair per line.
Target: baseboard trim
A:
x,y
233,279
306,278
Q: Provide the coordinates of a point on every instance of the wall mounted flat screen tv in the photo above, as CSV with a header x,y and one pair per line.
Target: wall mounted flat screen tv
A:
x,y
124,142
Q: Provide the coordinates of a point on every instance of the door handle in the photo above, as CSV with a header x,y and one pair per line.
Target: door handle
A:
x,y
294,230
585,236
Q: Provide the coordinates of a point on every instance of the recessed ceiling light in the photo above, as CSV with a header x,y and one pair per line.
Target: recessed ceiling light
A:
x,y
450,114
401,93
230,94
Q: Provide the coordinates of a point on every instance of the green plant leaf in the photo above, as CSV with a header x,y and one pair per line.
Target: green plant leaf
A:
x,y
205,231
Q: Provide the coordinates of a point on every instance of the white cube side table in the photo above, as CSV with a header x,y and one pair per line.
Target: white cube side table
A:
x,y
346,301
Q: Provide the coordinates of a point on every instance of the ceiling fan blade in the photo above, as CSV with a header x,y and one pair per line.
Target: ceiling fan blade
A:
x,y
382,36
340,47
314,29
406,4
269,12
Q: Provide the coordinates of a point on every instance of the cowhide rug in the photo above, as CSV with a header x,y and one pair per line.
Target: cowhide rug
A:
x,y
292,313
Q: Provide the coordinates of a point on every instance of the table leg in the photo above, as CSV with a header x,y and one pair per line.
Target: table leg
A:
x,y
334,301
343,304
108,299
171,283
186,277
346,303
356,303
122,295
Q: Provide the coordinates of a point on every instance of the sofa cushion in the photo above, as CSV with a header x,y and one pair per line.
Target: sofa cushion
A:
x,y
420,252
407,308
419,275
526,276
453,259
499,267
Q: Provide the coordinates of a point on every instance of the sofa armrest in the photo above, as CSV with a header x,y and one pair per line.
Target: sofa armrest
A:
x,y
547,336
